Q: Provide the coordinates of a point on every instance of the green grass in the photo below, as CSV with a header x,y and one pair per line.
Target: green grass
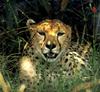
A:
x,y
9,68
12,43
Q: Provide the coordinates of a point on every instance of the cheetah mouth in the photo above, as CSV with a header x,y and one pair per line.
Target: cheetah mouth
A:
x,y
51,55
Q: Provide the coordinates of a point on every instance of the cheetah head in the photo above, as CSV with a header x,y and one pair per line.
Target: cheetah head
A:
x,y
50,38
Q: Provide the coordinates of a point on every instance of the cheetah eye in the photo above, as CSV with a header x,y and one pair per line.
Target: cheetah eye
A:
x,y
60,33
41,33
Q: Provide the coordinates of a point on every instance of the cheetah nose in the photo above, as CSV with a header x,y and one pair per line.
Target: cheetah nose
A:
x,y
50,46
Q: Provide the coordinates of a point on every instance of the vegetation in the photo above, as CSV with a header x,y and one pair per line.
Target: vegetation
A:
x,y
81,15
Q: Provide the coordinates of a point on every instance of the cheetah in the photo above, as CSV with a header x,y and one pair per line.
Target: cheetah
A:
x,y
50,54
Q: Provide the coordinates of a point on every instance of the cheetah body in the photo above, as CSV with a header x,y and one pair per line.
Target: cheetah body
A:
x,y
50,55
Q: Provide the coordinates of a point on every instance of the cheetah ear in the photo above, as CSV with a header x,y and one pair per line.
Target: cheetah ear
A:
x,y
30,23
69,28
70,31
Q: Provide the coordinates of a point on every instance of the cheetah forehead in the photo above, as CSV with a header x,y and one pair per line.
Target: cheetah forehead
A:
x,y
50,25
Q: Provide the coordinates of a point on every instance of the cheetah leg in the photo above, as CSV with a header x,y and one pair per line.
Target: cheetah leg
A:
x,y
28,72
6,86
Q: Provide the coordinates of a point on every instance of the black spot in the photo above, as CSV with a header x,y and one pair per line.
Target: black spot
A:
x,y
67,70
81,51
36,70
54,77
31,83
25,90
66,54
55,72
70,64
32,53
78,56
41,80
37,57
71,68
69,74
47,68
77,63
74,66
68,37
82,65
83,59
50,81
42,63
66,60
59,65
21,81
38,83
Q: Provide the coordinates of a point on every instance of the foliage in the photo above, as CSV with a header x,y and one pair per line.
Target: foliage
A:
x,y
83,17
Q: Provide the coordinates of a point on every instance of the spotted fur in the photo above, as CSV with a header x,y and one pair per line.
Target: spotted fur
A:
x,y
50,54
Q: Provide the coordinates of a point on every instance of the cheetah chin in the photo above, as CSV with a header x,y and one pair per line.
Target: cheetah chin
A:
x,y
52,57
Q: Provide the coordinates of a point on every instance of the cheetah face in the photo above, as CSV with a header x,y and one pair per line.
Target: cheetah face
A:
x,y
50,38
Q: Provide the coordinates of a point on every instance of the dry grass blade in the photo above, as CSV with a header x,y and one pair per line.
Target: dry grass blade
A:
x,y
86,86
64,4
5,85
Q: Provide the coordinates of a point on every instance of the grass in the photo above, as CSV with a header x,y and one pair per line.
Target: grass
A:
x,y
11,44
87,79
